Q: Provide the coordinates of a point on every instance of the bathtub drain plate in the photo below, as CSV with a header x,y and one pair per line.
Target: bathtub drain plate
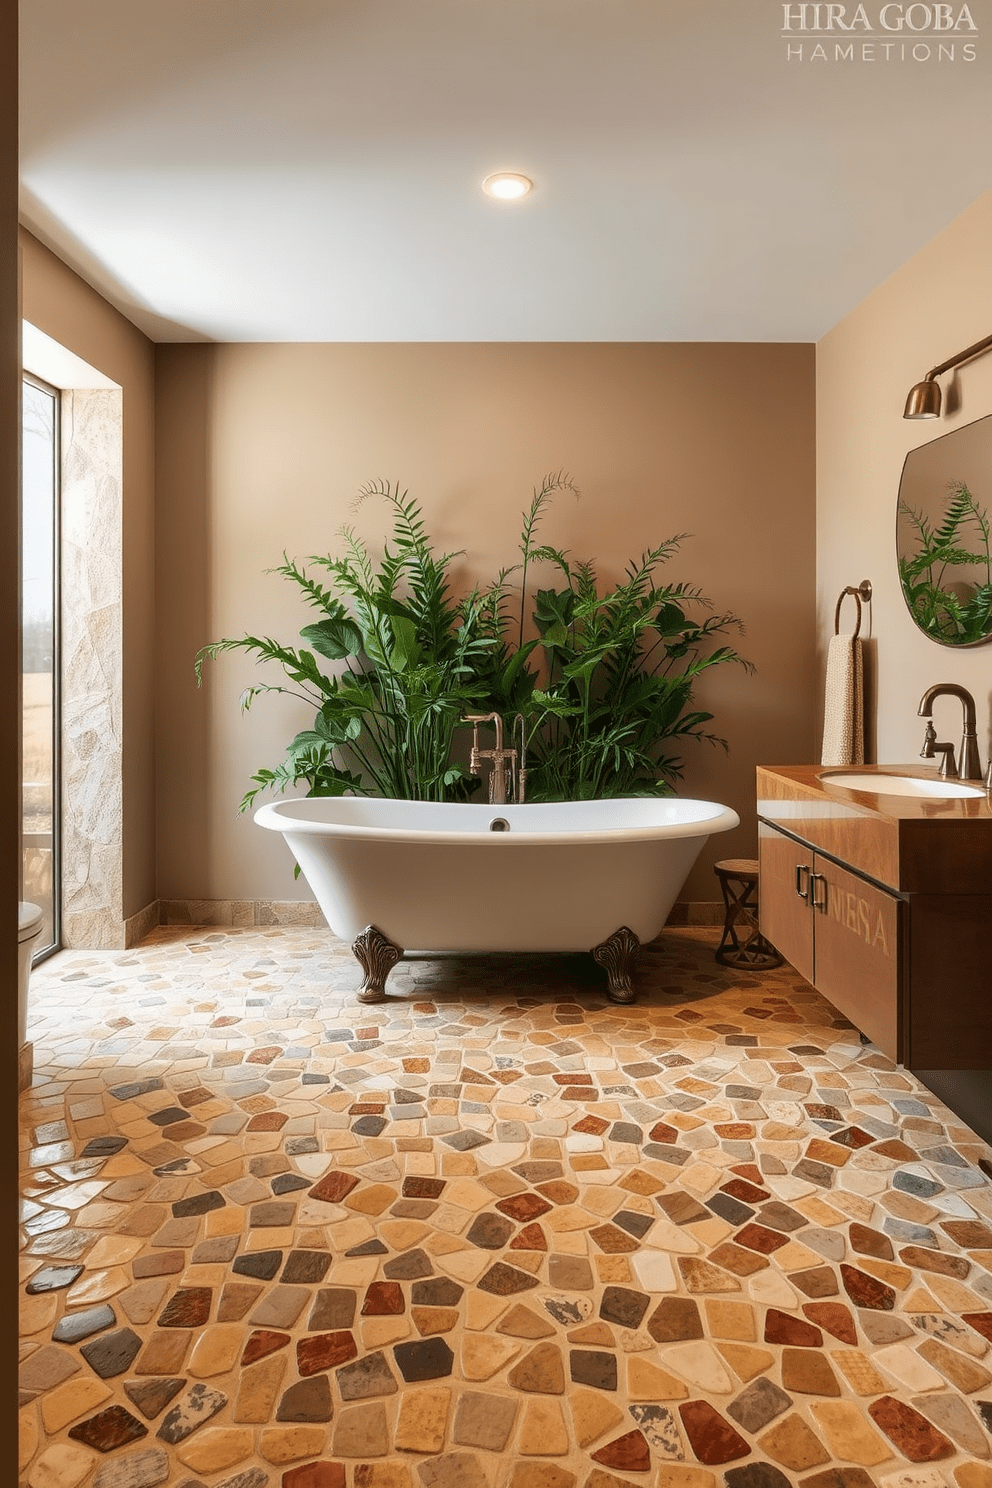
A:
x,y
499,824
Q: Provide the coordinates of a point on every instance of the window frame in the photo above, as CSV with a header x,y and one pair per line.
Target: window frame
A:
x,y
56,394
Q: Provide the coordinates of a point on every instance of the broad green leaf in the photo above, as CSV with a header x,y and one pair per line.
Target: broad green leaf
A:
x,y
335,638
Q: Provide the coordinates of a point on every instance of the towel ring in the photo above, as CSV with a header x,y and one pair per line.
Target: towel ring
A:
x,y
862,592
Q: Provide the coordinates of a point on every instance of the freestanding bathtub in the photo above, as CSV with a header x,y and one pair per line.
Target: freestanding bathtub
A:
x,y
597,876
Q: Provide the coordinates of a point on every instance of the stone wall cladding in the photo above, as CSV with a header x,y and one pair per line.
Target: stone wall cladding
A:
x,y
92,671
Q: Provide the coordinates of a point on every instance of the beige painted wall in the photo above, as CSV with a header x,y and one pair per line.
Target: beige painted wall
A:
x,y
59,303
934,306
263,448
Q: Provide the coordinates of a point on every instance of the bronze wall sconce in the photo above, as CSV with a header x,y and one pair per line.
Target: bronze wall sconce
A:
x,y
924,398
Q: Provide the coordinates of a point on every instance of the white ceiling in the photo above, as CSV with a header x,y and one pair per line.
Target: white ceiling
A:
x,y
308,170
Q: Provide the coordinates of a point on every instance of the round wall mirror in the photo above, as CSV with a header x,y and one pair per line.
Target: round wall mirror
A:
x,y
942,535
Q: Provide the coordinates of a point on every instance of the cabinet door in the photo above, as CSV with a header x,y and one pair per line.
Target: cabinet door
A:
x,y
856,958
786,871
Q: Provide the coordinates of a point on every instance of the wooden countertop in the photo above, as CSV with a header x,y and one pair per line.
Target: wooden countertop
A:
x,y
912,844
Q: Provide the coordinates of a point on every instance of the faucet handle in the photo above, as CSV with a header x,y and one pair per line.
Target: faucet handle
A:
x,y
929,741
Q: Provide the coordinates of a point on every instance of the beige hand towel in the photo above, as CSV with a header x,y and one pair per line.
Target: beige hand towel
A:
x,y
843,714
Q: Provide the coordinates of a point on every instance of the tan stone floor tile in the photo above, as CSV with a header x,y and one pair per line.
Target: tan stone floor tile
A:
x,y
730,1320
919,1300
403,1234
647,1381
62,1465
422,1164
164,1352
458,1165
898,1277
112,1250
483,1356
212,1153
231,1220
216,1350
772,1290
792,1443
423,1420
745,1360
450,1219
574,1243
27,1435
859,1371
675,1476
483,1308
222,1176
854,1206
528,1260
101,1215
963,1373
796,1257
593,1414
68,1402
711,1232
377,1332
353,1273
700,1177
205,1275
281,1237
672,1238
432,1320
444,1244
361,1431
214,1448
281,1444
258,1390
467,1193
37,1314
465,1266
344,1234
606,1201
954,1296
700,1365
973,1475
543,1432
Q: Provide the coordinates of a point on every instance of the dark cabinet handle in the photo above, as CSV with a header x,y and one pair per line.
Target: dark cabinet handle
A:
x,y
820,904
803,893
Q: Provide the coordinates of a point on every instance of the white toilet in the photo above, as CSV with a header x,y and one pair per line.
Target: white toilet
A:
x,y
30,923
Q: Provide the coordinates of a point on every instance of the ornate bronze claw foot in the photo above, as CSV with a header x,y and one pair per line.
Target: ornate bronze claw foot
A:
x,y
377,956
616,955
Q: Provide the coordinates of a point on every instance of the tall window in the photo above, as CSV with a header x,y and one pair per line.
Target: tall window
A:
x,y
40,792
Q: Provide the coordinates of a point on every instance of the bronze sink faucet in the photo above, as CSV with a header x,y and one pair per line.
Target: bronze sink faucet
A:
x,y
971,765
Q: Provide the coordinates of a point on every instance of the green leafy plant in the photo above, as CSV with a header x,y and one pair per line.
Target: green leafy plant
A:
x,y
408,660
619,669
604,685
962,614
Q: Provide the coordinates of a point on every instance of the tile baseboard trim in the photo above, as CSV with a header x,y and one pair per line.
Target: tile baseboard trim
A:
x,y
137,926
248,914
245,914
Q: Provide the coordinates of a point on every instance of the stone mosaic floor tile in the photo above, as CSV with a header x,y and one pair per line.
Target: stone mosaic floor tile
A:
x,y
495,1232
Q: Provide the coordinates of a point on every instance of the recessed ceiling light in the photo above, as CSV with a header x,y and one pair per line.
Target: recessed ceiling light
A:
x,y
507,185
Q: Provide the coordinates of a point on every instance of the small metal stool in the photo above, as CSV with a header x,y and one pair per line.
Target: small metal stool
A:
x,y
743,944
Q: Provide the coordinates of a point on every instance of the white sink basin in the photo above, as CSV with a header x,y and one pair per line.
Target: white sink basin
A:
x,y
901,785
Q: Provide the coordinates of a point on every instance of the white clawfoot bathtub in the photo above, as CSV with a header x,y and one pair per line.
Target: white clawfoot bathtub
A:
x,y
432,876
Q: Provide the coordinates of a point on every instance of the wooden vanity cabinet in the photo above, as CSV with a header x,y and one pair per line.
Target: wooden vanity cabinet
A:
x,y
838,929
785,871
884,903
